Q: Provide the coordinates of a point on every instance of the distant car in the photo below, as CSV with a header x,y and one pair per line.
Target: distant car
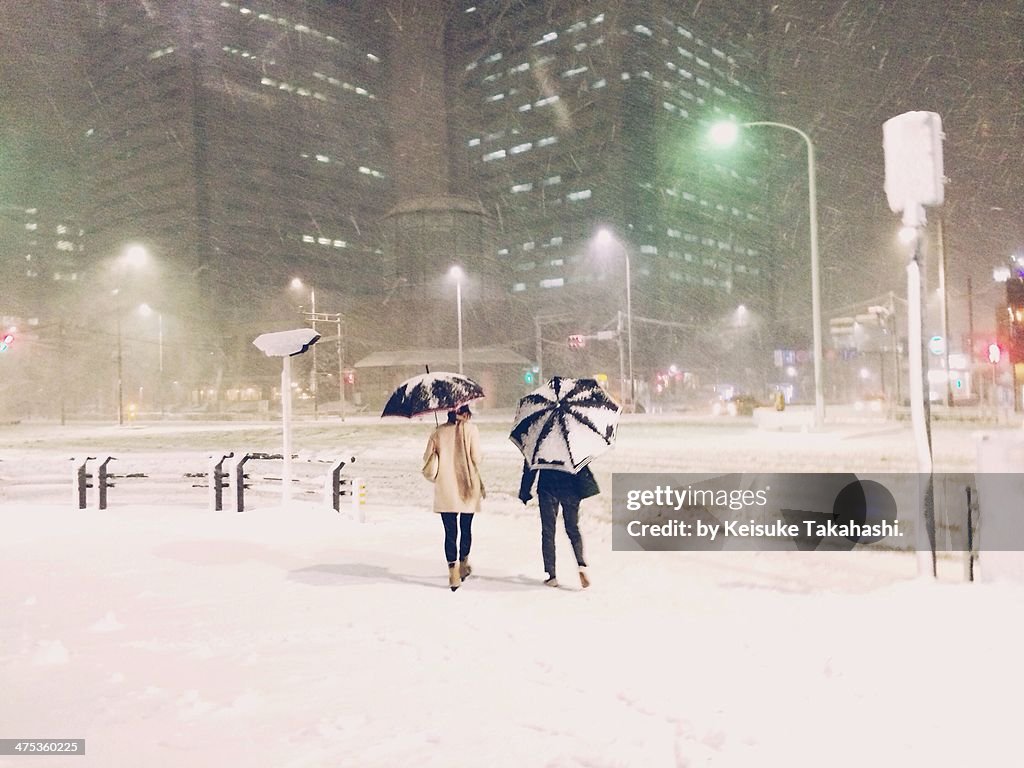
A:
x,y
872,403
737,405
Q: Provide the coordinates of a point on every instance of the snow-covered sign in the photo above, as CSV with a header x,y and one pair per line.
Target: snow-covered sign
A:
x,y
286,343
913,160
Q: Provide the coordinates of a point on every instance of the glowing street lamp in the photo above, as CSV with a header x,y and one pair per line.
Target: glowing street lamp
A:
x,y
133,257
725,134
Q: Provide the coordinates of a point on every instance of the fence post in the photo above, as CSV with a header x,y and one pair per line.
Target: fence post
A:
x,y
103,481
238,472
359,498
218,479
82,476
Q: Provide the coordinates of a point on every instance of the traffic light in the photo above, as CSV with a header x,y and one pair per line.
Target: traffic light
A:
x,y
994,353
912,143
577,341
7,340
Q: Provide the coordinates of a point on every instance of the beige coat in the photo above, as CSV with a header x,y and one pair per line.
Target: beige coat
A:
x,y
446,488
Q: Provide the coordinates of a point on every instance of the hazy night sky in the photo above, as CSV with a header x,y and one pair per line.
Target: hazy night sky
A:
x,y
838,70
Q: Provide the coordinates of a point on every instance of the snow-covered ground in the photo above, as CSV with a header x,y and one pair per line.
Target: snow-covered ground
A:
x,y
169,635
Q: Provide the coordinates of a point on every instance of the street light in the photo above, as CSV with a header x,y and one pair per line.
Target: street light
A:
x,y
297,284
134,256
605,238
457,274
724,134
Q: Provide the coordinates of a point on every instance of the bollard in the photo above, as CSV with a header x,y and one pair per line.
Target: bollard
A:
x,y
218,481
359,498
337,483
238,476
103,481
82,476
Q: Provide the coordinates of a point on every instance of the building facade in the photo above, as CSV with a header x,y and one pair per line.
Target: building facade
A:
x,y
571,117
243,144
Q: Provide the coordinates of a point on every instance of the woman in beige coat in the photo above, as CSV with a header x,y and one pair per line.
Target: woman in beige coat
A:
x,y
454,448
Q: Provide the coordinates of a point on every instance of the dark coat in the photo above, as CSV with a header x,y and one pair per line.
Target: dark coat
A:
x,y
561,485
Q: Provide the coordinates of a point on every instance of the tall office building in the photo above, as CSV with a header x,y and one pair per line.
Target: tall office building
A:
x,y
243,144
573,116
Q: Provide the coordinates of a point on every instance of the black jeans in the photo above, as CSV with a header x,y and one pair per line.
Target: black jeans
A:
x,y
549,504
453,521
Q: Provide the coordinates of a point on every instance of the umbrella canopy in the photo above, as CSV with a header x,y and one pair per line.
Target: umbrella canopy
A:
x,y
429,392
565,424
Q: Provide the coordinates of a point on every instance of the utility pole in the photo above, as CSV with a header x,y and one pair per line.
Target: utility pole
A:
x,y
944,310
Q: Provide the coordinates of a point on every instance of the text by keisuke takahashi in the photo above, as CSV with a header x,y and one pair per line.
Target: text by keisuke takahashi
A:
x,y
802,511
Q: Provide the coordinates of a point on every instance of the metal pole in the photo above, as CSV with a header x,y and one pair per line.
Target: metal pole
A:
x,y
341,370
120,370
540,349
312,306
458,311
622,358
286,428
629,333
160,371
812,196
943,307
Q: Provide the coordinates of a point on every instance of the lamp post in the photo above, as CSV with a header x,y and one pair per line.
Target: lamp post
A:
x,y
133,256
604,238
311,316
725,134
457,273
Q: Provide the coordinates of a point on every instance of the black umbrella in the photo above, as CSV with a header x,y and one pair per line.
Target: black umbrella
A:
x,y
565,424
430,392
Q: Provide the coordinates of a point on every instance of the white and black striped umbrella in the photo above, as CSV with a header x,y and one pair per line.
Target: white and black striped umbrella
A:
x,y
565,424
430,392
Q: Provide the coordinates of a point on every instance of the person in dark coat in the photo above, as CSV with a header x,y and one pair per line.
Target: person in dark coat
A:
x,y
556,490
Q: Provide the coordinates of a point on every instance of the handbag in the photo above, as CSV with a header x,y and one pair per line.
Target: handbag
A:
x,y
430,467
